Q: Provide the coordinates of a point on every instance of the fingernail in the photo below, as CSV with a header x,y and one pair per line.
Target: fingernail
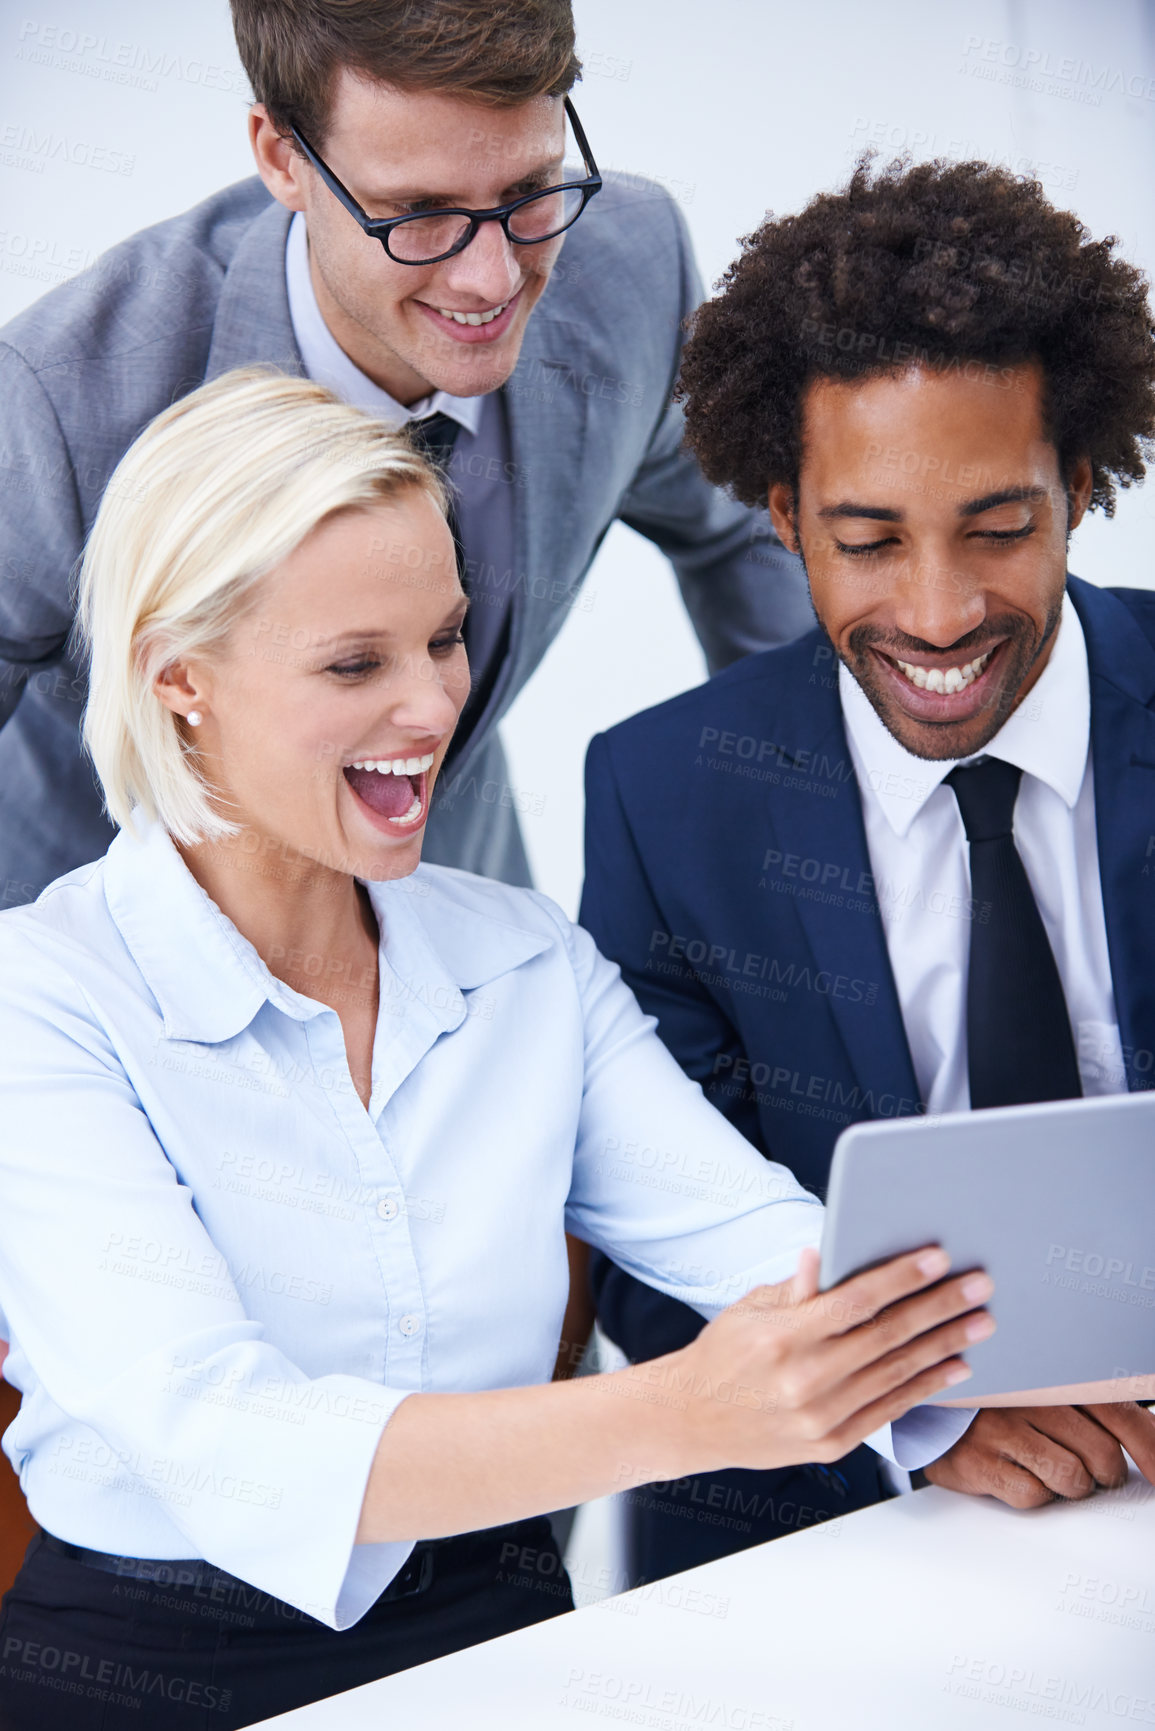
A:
x,y
933,1262
978,1287
958,1373
979,1327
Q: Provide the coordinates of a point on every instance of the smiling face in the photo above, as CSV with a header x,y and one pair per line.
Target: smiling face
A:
x,y
397,152
330,708
933,521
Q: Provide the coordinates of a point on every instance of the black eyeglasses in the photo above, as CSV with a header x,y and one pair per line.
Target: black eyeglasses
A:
x,y
427,237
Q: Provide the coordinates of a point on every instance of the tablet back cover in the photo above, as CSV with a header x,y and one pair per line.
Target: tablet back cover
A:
x,y
1056,1201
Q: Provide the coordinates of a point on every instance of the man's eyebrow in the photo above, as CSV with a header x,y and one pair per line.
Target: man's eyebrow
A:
x,y
1004,496
876,513
413,196
972,508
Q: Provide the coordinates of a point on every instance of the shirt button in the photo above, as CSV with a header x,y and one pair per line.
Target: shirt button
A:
x,y
410,1325
387,1208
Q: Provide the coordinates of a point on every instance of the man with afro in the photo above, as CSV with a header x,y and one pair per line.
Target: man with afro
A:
x,y
903,865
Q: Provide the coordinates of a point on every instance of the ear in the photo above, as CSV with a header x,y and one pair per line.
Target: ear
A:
x,y
1079,487
179,690
279,164
781,502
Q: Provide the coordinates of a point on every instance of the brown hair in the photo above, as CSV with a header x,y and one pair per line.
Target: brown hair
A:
x,y
495,51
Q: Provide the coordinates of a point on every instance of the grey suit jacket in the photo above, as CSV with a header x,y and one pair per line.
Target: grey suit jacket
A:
x,y
594,434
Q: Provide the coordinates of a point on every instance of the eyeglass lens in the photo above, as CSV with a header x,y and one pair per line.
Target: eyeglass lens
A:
x,y
428,237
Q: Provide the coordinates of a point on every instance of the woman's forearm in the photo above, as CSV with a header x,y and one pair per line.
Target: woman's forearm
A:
x,y
450,1463
786,1375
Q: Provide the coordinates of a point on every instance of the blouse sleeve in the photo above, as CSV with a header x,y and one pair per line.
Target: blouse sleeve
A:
x,y
662,1182
666,1186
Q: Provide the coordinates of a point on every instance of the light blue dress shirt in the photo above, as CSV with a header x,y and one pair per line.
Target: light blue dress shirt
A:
x,y
220,1274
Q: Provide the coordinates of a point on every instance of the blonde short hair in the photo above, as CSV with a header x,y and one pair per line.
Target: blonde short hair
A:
x,y
216,490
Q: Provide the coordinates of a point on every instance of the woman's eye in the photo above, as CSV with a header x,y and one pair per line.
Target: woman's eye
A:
x,y
370,664
352,669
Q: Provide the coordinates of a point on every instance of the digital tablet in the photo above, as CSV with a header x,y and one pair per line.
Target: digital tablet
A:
x,y
1056,1202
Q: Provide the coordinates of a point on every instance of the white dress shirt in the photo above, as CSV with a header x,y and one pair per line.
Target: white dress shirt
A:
x,y
220,1273
920,861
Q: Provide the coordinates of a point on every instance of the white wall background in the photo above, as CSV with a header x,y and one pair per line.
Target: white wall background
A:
x,y
117,113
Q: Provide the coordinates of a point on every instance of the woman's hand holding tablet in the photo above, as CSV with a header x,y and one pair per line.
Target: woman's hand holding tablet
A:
x,y
833,1367
787,1374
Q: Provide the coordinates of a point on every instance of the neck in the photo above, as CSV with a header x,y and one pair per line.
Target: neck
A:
x,y
403,383
313,927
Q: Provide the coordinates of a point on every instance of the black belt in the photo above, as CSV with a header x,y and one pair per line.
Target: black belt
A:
x,y
415,1577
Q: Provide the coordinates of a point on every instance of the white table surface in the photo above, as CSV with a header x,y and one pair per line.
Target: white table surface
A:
x,y
931,1612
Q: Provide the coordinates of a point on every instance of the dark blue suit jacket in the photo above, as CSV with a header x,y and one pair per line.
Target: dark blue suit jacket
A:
x,y
728,875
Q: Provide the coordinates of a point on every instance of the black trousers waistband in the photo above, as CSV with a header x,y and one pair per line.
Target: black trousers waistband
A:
x,y
415,1577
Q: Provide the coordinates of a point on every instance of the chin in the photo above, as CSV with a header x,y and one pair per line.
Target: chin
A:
x,y
400,862
939,744
483,372
377,859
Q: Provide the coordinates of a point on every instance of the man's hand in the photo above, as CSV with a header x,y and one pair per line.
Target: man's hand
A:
x,y
1028,1455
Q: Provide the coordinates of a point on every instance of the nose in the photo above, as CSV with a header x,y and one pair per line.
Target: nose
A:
x,y
937,602
426,696
488,270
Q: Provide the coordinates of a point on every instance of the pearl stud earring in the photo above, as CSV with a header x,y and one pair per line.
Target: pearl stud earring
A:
x,y
194,717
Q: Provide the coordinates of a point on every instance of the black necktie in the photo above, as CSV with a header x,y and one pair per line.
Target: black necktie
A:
x,y
435,437
1019,1045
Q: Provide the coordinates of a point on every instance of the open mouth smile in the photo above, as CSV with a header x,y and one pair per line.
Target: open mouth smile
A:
x,y
942,693
392,791
474,327
949,679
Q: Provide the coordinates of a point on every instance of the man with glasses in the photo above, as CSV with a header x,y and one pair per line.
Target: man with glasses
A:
x,y
416,157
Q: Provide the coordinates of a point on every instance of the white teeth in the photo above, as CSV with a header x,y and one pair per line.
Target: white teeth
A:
x,y
945,680
473,318
409,816
396,765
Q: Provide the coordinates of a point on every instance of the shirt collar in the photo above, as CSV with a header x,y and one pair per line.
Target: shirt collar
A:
x,y
209,981
1047,736
326,361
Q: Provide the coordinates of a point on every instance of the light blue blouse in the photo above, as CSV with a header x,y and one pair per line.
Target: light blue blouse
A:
x,y
220,1274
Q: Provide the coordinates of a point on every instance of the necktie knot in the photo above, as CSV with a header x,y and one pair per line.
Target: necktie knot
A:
x,y
435,437
986,794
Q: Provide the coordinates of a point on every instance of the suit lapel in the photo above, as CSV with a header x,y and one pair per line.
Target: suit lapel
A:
x,y
548,416
816,815
252,324
1122,668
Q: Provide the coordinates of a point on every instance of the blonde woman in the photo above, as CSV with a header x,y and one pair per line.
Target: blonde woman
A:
x,y
294,1128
